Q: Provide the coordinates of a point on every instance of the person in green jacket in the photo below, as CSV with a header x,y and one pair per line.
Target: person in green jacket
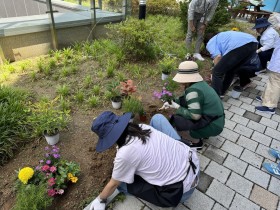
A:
x,y
199,110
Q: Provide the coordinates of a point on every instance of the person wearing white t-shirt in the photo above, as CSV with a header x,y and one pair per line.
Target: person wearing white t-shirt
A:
x,y
147,152
271,94
267,39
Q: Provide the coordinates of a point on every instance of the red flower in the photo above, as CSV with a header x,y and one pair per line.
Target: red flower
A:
x,y
45,168
51,192
51,181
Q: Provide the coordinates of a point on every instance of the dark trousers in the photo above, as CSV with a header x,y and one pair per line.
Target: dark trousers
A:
x,y
231,64
265,56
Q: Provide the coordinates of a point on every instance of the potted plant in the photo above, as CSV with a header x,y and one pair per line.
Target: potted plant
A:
x,y
142,115
36,187
133,105
116,98
167,65
48,119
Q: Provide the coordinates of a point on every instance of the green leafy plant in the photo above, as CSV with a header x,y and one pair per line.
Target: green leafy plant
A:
x,y
32,197
93,101
48,118
14,129
63,90
96,89
167,64
132,104
79,96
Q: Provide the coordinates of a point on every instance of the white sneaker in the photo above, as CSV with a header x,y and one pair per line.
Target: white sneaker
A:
x,y
198,57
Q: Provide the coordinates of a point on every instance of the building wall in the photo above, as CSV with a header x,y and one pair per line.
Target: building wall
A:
x,y
23,46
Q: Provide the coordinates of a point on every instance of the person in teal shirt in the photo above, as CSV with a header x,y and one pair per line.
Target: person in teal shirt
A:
x,y
199,110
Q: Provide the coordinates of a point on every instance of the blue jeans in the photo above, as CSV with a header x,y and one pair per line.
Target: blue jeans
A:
x,y
160,123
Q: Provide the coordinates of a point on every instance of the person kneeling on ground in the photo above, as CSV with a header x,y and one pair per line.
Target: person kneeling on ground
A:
x,y
199,110
232,53
267,39
147,159
271,94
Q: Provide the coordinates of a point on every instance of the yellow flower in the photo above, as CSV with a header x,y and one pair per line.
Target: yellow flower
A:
x,y
74,179
69,176
25,174
235,29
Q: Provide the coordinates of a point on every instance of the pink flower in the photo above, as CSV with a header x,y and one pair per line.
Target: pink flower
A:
x,y
51,192
45,168
51,181
53,169
48,162
60,191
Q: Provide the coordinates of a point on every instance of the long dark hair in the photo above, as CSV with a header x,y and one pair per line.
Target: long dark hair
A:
x,y
133,130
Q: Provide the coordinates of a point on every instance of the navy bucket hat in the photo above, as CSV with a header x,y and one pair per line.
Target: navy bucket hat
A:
x,y
109,127
261,23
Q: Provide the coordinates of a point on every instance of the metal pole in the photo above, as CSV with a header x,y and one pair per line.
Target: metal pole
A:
x,y
124,9
2,56
275,6
142,9
52,25
93,15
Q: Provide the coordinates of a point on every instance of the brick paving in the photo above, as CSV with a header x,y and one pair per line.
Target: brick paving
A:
x,y
232,176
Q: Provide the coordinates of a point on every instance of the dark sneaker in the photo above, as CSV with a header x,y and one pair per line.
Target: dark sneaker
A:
x,y
259,98
198,145
265,109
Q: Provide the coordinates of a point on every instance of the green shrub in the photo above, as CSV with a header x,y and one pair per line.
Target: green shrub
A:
x,y
13,121
136,38
220,18
32,197
165,7
132,104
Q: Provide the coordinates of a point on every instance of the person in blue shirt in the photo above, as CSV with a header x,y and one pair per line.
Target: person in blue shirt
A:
x,y
233,53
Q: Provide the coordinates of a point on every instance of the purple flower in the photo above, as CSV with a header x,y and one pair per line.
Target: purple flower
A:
x,y
47,154
41,161
55,150
47,148
38,168
48,162
56,155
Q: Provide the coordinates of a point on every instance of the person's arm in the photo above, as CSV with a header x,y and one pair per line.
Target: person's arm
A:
x,y
217,59
194,100
109,189
210,12
191,10
99,203
267,42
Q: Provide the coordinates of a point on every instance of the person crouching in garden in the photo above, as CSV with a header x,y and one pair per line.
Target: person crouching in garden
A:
x,y
149,163
199,110
271,94
267,39
233,53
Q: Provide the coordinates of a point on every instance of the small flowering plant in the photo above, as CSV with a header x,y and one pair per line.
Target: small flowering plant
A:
x,y
127,87
165,95
52,170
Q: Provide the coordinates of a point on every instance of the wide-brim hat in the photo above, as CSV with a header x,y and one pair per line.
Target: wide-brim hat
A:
x,y
109,127
187,73
261,23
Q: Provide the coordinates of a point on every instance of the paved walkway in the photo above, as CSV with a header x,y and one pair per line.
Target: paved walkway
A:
x,y
231,175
